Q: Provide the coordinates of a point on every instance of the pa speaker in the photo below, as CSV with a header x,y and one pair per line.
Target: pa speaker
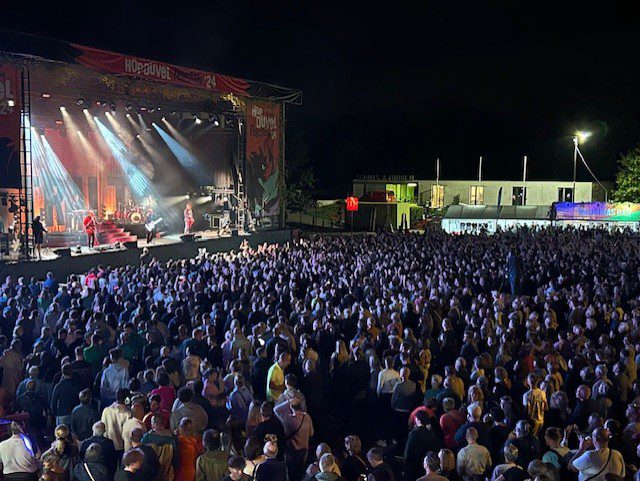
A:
x,y
235,232
65,252
130,245
187,238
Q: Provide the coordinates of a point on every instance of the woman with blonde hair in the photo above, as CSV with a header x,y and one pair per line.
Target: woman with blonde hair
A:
x,y
448,465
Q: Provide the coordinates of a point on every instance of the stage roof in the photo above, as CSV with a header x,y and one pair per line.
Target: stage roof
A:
x,y
23,45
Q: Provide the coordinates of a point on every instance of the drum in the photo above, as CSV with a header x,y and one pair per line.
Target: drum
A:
x,y
135,217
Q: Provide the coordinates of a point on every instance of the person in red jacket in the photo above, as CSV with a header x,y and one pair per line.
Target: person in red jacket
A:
x,y
89,223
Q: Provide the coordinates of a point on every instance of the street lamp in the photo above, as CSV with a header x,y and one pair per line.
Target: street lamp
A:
x,y
579,137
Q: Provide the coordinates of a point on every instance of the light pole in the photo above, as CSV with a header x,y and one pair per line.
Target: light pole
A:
x,y
580,136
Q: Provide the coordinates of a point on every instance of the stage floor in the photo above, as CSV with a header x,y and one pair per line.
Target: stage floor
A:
x,y
51,253
162,249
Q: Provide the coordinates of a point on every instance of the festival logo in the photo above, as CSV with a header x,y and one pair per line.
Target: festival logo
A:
x,y
263,157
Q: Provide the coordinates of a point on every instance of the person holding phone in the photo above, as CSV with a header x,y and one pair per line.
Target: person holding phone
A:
x,y
595,459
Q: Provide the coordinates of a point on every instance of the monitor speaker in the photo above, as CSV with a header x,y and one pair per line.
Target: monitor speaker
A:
x,y
130,245
65,252
187,238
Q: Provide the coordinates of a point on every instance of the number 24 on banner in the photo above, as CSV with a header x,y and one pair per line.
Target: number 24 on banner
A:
x,y
352,204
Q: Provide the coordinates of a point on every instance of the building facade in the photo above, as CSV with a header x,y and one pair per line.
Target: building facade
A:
x,y
442,193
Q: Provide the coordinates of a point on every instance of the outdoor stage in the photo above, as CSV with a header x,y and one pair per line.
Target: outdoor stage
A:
x,y
170,247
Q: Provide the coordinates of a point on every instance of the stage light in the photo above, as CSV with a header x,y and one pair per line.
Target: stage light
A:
x,y
164,119
113,107
11,103
129,115
103,103
187,196
143,108
216,123
85,110
198,121
62,107
80,101
59,122
95,118
183,150
46,96
582,136
138,136
152,110
159,108
79,133
174,113
152,123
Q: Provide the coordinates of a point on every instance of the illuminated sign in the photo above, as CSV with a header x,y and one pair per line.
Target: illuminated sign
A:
x,y
352,204
606,211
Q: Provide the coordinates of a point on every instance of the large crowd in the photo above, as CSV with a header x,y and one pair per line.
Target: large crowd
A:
x,y
391,357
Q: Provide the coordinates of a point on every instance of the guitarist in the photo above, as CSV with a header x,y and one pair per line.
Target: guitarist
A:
x,y
90,226
151,225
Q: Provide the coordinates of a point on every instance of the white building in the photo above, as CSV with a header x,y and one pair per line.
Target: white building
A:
x,y
473,192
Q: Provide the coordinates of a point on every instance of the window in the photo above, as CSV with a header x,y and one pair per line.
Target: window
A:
x,y
565,194
476,196
518,196
437,196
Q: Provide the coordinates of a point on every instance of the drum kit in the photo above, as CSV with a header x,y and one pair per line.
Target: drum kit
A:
x,y
132,212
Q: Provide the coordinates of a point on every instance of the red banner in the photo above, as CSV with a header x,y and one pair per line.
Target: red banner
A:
x,y
264,122
117,63
9,127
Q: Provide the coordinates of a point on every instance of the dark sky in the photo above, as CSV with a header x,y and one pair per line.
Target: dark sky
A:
x,y
388,87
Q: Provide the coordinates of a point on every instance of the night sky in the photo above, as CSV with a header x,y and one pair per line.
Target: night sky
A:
x,y
389,88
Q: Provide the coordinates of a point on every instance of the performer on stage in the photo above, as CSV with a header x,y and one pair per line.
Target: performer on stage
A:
x,y
38,235
148,221
188,218
90,228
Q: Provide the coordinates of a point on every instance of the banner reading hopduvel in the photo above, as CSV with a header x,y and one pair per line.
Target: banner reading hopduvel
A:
x,y
9,127
263,157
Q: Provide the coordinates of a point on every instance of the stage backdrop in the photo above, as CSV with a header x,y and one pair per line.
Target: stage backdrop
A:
x,y
9,127
264,122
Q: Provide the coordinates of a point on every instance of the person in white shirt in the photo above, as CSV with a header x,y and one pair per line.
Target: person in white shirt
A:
x,y
595,459
114,417
474,459
17,457
135,422
387,378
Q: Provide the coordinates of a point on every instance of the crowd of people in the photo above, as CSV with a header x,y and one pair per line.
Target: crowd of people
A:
x,y
390,357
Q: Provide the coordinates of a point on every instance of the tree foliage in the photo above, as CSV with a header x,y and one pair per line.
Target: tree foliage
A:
x,y
628,177
299,174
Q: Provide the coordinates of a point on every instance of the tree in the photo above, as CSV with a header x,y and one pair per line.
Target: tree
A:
x,y
299,174
628,177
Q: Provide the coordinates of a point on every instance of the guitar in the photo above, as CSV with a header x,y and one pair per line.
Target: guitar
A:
x,y
152,225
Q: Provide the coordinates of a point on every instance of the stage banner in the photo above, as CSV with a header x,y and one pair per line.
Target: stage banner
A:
x,y
264,123
9,127
117,63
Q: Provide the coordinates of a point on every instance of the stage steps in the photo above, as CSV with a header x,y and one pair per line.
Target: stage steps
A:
x,y
109,233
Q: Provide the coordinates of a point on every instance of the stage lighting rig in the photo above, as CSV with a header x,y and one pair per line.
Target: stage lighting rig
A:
x,y
128,107
80,101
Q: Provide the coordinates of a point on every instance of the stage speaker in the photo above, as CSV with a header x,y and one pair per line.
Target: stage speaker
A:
x,y
130,245
235,232
187,238
66,252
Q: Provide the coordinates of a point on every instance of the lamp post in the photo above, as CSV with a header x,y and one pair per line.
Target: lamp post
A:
x,y
580,136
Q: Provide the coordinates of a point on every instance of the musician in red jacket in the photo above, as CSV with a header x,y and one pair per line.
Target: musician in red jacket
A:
x,y
89,223
188,218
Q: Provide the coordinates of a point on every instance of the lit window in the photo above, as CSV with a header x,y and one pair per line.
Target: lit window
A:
x,y
437,196
476,196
